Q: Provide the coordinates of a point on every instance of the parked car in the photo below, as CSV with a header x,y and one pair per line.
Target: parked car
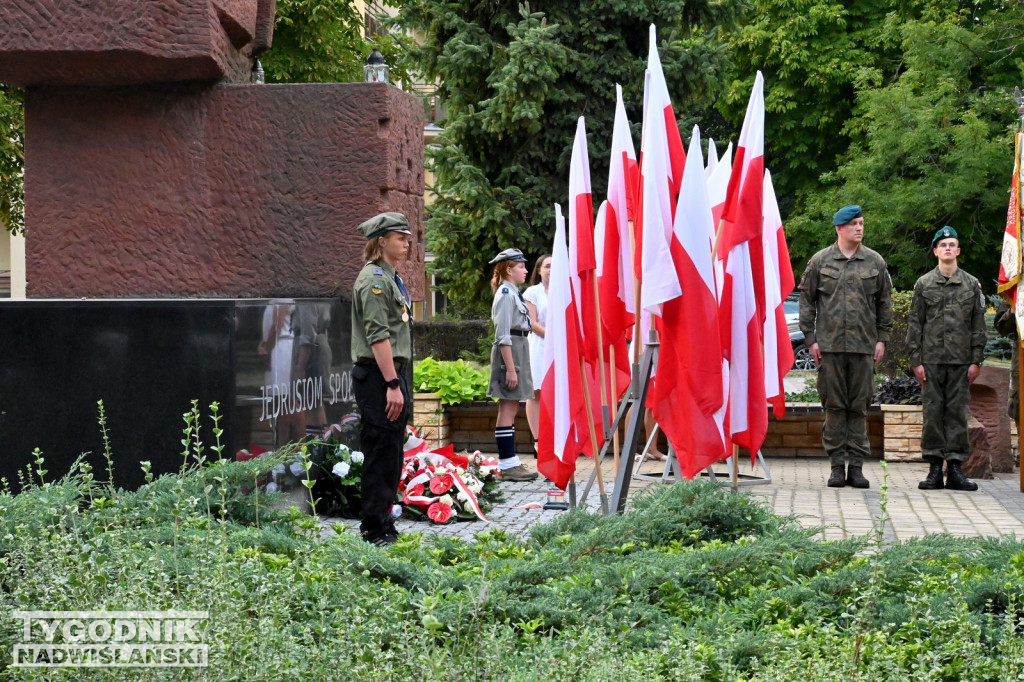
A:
x,y
801,354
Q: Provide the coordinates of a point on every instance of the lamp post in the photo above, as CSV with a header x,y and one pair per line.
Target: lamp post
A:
x,y
375,70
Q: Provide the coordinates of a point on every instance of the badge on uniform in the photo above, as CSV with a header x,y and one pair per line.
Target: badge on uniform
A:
x,y
376,288
378,270
504,290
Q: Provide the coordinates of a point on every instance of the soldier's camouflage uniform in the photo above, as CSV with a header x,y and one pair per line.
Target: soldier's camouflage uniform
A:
x,y
946,334
846,308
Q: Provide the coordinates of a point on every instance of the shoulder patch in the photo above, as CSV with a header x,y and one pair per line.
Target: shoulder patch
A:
x,y
378,270
376,288
504,290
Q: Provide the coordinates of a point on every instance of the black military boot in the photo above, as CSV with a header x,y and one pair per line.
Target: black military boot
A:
x,y
838,477
955,479
934,480
855,478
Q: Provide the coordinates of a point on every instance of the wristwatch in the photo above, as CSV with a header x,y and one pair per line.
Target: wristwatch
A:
x,y
394,383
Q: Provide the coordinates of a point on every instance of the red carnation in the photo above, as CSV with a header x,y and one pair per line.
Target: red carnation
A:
x,y
439,485
439,512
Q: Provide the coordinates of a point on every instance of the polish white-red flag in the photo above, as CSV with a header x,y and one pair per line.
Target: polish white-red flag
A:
x,y
779,283
747,413
563,413
660,179
615,267
582,257
742,216
718,187
689,389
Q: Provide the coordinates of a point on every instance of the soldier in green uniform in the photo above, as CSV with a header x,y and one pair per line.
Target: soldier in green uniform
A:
x,y
946,340
381,351
846,318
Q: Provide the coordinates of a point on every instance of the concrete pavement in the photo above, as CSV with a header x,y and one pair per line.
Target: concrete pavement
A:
x,y
797,488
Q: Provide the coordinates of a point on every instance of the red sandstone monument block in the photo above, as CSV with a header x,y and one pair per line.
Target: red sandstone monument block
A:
x,y
121,42
224,191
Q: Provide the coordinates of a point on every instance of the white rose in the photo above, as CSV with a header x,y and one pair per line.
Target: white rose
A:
x,y
296,469
340,469
476,488
462,497
279,469
271,487
446,499
356,457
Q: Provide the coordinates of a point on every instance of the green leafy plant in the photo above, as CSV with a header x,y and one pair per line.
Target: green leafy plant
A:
x,y
454,381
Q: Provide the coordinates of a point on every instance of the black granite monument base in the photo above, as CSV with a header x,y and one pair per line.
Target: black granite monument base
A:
x,y
275,367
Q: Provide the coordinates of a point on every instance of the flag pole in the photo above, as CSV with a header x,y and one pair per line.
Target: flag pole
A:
x,y
1020,341
600,358
614,425
593,441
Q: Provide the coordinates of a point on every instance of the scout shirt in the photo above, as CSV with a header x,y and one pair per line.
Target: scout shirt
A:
x,y
846,303
508,311
378,306
946,325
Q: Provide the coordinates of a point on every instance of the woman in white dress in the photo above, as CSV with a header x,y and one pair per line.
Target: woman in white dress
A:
x,y
536,297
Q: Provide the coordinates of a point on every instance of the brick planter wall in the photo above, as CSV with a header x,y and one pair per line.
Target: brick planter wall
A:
x,y
472,427
431,420
799,434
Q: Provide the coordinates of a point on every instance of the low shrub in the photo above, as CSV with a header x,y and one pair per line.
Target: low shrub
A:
x,y
693,583
453,381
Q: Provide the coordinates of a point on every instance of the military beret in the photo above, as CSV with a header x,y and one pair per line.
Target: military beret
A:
x,y
514,255
945,232
846,214
382,223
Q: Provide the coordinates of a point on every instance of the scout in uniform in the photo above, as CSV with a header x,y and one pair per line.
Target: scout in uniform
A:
x,y
846,318
381,351
511,378
946,340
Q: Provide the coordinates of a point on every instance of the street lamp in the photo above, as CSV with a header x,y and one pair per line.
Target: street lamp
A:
x,y
375,71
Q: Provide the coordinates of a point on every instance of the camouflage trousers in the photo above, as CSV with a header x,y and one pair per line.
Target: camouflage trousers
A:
x,y
945,396
845,385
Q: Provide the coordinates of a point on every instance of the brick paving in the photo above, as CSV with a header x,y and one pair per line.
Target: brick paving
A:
x,y
797,488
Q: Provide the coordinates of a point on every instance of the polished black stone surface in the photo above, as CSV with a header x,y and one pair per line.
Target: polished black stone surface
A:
x,y
274,366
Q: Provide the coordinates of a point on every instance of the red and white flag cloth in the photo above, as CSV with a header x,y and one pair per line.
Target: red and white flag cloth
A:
x,y
563,413
747,414
1010,261
779,283
718,184
742,216
615,267
689,389
582,256
661,170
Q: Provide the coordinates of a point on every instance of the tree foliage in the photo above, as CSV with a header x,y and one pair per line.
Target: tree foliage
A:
x,y
903,108
12,159
514,81
933,145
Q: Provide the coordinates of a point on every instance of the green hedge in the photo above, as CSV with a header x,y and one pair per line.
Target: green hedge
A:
x,y
450,339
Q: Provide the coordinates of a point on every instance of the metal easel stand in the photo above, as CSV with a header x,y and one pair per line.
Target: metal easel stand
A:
x,y
635,397
744,479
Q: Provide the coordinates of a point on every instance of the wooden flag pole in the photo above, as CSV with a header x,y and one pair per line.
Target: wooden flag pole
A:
x,y
593,443
600,358
1020,406
614,425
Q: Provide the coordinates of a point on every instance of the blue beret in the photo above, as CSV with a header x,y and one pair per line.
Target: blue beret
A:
x,y
846,214
944,233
